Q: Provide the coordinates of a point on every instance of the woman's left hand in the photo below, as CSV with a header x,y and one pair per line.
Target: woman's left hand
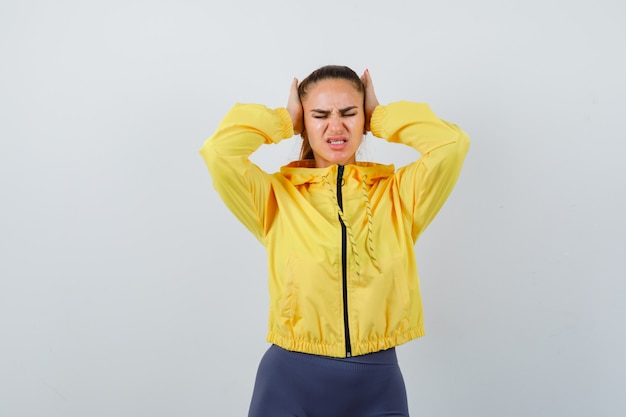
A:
x,y
371,102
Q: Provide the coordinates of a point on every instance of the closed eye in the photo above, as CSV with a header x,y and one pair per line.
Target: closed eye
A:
x,y
323,114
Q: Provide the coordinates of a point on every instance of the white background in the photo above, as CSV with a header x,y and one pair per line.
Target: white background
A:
x,y
128,289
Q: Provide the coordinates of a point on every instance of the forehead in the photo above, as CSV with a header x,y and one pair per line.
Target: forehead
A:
x,y
332,92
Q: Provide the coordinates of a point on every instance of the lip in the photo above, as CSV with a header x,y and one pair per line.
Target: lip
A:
x,y
337,143
330,139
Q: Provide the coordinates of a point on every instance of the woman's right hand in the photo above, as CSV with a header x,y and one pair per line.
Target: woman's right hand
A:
x,y
294,107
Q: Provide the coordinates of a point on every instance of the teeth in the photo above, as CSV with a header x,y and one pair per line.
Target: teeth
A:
x,y
336,142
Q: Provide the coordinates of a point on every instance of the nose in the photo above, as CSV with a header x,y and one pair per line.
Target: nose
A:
x,y
335,124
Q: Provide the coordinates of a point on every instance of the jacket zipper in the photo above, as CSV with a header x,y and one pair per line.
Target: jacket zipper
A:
x,y
344,264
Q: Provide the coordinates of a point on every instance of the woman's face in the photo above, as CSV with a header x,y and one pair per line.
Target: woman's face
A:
x,y
334,121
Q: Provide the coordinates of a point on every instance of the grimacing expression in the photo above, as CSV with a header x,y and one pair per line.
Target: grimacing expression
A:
x,y
334,121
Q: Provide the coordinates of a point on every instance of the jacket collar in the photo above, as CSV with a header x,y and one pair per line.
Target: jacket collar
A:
x,y
304,172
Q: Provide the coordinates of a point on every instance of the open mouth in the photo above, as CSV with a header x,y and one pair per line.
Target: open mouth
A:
x,y
336,139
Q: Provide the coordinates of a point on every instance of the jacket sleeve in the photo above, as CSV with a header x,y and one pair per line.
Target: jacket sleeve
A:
x,y
425,184
243,186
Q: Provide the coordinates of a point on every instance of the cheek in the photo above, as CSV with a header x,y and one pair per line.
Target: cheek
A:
x,y
312,125
358,124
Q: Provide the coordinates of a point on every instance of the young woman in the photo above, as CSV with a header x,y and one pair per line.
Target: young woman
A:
x,y
340,238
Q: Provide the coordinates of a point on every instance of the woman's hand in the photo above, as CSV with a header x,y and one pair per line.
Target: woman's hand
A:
x,y
294,107
370,98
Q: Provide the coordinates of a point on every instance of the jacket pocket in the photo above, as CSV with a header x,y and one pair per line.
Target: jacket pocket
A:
x,y
401,282
289,299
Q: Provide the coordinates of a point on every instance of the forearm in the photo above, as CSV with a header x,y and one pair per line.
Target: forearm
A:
x,y
415,125
242,131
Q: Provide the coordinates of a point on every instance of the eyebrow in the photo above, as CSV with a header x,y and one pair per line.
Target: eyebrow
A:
x,y
342,111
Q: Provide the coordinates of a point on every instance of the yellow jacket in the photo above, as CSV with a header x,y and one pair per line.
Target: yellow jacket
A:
x,y
342,282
